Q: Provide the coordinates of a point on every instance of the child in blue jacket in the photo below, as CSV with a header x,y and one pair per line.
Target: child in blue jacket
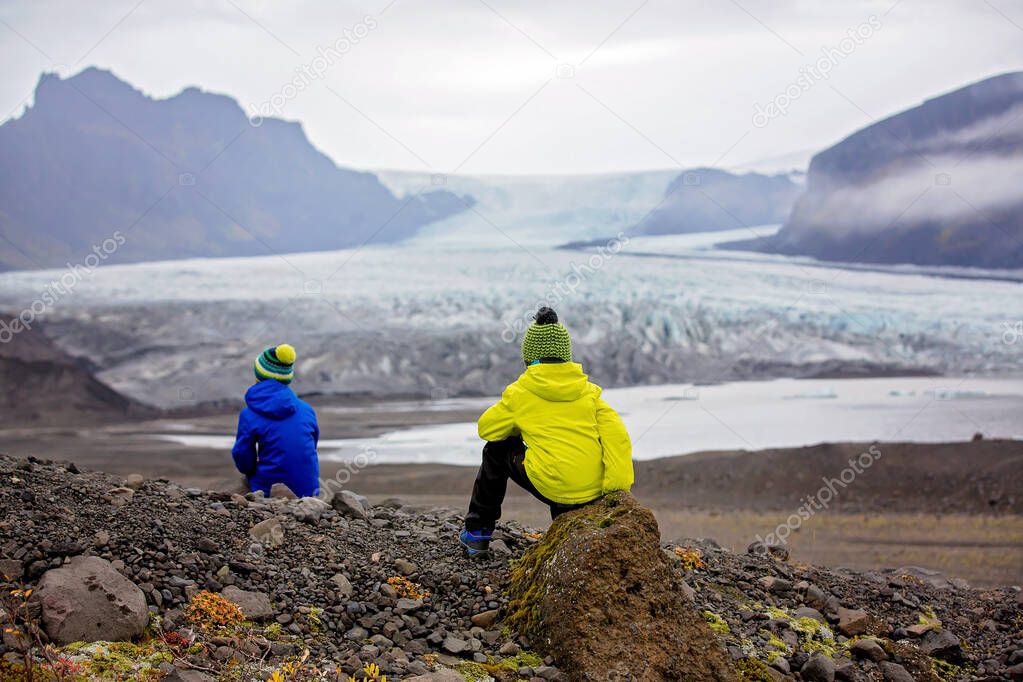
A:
x,y
277,432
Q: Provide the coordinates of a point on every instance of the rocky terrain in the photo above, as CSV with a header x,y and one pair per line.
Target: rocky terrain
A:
x,y
206,585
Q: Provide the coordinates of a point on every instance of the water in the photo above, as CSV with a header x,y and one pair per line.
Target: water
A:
x,y
682,418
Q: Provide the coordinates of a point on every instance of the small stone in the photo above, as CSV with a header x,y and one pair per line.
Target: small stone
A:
x,y
207,546
223,653
893,672
269,533
919,629
279,491
499,547
11,569
134,481
818,669
282,648
388,591
454,645
852,622
406,605
509,649
254,605
815,598
774,584
349,504
941,644
404,567
119,497
343,585
867,648
485,619
310,510
850,672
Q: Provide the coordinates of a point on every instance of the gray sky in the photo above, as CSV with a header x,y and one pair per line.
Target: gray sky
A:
x,y
529,86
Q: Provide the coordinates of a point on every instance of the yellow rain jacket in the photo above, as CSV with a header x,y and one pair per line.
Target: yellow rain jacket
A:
x,y
577,446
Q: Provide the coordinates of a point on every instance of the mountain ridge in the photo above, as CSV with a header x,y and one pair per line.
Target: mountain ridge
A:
x,y
182,176
931,185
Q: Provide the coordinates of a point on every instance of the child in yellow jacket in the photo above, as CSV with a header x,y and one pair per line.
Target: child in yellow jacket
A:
x,y
551,433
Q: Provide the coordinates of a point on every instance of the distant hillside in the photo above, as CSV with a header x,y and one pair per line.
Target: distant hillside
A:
x,y
48,386
180,177
938,184
711,200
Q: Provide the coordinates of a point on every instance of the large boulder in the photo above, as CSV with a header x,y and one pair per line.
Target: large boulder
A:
x,y
88,601
599,595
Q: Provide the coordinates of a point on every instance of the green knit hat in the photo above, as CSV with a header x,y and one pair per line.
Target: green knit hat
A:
x,y
546,338
276,362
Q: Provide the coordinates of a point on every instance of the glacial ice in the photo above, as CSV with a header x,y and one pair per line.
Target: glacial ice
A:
x,y
445,321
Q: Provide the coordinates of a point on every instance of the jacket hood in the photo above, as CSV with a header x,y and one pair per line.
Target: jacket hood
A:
x,y
559,382
272,399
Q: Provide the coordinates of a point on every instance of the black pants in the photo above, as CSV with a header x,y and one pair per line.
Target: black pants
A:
x,y
503,460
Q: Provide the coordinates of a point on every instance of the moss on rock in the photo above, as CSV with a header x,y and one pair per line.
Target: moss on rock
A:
x,y
752,670
599,595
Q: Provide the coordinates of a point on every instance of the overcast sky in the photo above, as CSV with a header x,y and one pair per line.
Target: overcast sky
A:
x,y
532,86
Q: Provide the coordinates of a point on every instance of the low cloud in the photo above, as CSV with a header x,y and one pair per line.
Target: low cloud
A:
x,y
975,188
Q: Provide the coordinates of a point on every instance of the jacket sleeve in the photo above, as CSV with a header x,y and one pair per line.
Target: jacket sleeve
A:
x,y
244,450
498,422
617,449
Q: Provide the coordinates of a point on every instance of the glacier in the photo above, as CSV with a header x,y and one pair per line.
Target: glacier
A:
x,y
442,320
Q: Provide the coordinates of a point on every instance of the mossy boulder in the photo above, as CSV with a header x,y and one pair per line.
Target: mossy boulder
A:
x,y
598,594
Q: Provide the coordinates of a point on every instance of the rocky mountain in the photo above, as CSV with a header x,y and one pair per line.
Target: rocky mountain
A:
x,y
711,200
210,584
97,167
938,184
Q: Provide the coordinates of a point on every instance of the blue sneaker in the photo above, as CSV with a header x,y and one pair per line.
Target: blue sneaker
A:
x,y
476,543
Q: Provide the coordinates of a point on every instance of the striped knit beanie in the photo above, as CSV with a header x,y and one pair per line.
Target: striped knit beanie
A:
x,y
276,362
546,338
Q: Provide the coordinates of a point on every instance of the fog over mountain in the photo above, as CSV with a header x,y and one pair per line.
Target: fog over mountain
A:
x,y
711,200
938,184
95,159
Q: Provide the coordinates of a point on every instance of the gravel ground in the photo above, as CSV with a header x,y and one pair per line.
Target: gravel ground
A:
x,y
325,571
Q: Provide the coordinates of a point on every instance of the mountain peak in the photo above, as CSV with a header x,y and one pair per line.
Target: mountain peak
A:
x,y
94,154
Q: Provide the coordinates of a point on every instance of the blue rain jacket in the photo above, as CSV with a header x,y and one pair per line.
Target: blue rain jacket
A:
x,y
276,441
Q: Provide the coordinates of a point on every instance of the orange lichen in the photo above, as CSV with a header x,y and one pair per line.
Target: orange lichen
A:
x,y
406,588
209,611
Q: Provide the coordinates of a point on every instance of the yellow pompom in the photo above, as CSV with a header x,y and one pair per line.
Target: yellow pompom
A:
x,y
285,354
